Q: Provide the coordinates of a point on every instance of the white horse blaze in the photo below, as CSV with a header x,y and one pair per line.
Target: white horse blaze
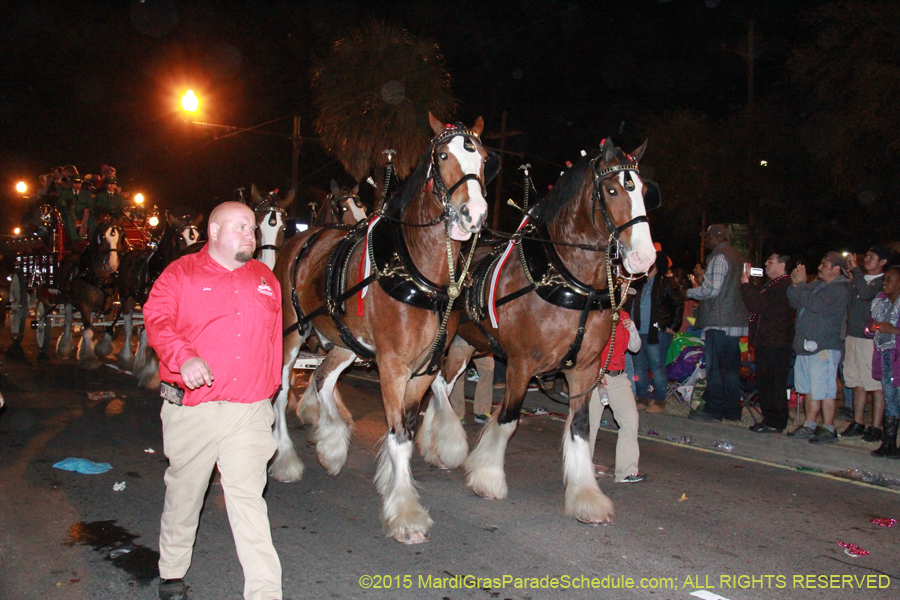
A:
x,y
112,238
639,253
470,163
268,236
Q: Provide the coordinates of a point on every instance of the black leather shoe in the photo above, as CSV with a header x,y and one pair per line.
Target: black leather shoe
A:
x,y
763,428
854,429
703,417
873,434
172,589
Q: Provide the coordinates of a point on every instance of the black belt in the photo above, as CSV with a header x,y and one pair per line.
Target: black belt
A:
x,y
616,372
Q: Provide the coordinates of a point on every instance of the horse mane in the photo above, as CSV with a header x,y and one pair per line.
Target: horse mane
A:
x,y
411,187
563,192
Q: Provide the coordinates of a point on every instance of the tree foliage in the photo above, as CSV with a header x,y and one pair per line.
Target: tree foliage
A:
x,y
850,78
374,91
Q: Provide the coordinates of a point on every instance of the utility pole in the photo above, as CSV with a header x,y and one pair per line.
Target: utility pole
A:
x,y
501,152
295,162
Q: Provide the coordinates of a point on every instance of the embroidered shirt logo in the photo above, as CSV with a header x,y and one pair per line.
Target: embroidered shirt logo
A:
x,y
207,289
264,287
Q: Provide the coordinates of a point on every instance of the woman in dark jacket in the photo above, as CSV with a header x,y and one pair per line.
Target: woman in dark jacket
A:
x,y
657,311
771,335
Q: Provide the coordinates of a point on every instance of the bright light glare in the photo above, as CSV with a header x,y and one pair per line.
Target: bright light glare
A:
x,y
189,102
139,198
17,231
764,163
302,226
21,187
154,221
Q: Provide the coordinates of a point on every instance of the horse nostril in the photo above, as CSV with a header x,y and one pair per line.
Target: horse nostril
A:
x,y
464,211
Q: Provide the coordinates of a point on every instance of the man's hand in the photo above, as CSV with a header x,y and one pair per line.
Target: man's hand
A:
x,y
745,274
851,261
798,275
627,323
195,373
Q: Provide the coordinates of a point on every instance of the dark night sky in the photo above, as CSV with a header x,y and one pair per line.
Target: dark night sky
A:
x,y
100,82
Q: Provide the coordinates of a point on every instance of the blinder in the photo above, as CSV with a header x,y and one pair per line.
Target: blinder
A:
x,y
652,197
491,167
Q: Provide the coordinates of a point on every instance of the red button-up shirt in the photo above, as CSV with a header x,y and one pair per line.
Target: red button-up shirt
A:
x,y
617,363
230,319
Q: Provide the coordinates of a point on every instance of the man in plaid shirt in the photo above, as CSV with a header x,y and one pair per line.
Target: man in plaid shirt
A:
x,y
724,319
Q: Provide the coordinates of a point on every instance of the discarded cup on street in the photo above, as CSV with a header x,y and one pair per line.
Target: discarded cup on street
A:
x,y
723,446
119,552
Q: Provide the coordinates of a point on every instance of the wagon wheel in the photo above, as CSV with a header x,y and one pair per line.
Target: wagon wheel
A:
x,y
18,306
42,326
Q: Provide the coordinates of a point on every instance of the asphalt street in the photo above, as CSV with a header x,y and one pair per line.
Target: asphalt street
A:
x,y
763,521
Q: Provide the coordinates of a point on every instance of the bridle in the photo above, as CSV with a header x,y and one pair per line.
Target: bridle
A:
x,y
338,208
599,198
268,205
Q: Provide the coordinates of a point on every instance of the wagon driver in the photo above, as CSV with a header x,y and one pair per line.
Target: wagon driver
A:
x,y
214,318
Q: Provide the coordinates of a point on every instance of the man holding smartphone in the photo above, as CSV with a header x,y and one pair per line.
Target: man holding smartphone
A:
x,y
771,335
821,307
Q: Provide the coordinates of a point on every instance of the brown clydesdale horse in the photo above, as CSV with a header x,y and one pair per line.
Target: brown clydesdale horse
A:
x,y
87,282
411,250
552,313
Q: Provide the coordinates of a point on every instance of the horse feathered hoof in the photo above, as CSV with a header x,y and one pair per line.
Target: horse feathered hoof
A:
x,y
410,537
89,363
590,506
287,467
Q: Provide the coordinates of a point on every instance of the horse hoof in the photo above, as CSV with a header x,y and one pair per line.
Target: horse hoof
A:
x,y
412,537
586,521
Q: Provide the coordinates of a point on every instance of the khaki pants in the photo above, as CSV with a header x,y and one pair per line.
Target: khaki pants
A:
x,y
484,390
237,437
621,401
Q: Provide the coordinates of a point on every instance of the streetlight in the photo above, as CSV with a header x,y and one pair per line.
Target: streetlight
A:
x,y
139,198
189,102
21,187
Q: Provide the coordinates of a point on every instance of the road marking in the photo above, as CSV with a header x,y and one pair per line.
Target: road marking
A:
x,y
707,595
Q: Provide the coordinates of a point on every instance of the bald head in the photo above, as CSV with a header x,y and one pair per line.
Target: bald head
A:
x,y
232,234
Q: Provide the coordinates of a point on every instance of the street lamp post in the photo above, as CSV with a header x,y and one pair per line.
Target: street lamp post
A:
x,y
190,103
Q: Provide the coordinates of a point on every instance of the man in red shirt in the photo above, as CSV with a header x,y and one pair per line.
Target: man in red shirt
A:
x,y
617,385
214,319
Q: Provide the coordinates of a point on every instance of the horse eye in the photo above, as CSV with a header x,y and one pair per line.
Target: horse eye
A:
x,y
611,191
443,155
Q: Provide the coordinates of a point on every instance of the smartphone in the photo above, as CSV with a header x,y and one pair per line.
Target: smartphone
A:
x,y
756,272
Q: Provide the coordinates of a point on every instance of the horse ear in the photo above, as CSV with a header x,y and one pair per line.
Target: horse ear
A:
x,y
355,190
254,193
436,126
172,218
637,154
288,199
609,150
197,220
478,127
335,188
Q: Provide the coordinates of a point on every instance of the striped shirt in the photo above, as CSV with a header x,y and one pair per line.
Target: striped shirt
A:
x,y
716,271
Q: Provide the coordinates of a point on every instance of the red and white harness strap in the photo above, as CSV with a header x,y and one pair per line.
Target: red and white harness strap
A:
x,y
492,295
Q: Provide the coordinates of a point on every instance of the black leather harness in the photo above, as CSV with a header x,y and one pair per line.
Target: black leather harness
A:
x,y
550,279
